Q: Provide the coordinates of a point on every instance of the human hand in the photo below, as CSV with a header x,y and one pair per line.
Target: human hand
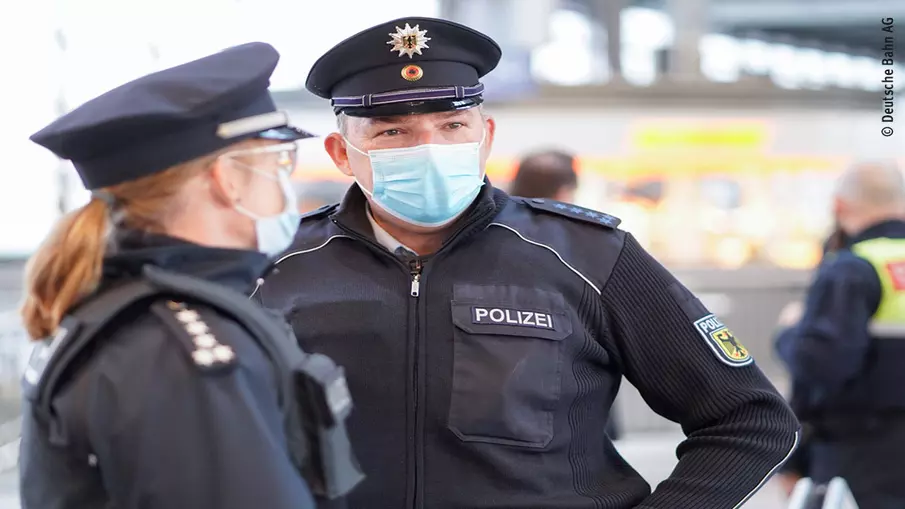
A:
x,y
787,482
791,314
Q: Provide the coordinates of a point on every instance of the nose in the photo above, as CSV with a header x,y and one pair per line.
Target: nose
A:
x,y
428,131
425,137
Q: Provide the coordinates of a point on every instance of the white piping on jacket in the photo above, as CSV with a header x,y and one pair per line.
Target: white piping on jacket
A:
x,y
771,472
283,258
548,248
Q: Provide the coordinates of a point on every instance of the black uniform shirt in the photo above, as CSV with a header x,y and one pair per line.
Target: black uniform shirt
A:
x,y
484,373
145,428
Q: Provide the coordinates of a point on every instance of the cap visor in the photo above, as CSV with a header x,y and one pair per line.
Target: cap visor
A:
x,y
285,133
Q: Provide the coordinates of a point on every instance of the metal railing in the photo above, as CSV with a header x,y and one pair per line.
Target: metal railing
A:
x,y
833,495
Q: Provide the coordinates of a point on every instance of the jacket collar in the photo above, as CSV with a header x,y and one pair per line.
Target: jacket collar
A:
x,y
352,213
892,228
130,250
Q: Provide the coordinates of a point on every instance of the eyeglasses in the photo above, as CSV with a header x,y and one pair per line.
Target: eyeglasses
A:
x,y
282,157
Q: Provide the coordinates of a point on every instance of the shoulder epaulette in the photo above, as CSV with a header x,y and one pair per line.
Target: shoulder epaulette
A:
x,y
320,211
194,336
572,211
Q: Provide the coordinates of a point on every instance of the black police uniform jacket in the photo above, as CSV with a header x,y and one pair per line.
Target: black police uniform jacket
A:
x,y
484,373
139,425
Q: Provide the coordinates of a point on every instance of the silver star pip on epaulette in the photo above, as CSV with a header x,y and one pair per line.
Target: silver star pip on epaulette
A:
x,y
208,352
574,211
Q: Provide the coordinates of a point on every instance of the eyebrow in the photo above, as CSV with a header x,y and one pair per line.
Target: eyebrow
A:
x,y
400,119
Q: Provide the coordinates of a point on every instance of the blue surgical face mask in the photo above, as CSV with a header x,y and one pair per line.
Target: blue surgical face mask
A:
x,y
275,233
426,185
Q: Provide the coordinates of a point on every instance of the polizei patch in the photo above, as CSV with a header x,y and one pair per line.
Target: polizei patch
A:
x,y
508,316
723,343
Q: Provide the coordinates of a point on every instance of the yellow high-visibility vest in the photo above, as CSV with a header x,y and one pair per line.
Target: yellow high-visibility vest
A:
x,y
887,256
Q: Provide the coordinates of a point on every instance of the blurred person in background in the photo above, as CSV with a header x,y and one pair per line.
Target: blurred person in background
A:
x,y
844,347
551,174
547,174
485,336
798,465
159,385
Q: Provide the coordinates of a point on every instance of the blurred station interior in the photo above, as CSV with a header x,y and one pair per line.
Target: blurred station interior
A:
x,y
713,128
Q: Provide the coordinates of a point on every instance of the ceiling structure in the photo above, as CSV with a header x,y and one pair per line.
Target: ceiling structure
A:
x,y
849,26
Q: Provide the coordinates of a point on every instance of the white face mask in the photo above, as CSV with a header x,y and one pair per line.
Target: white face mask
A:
x,y
274,233
425,185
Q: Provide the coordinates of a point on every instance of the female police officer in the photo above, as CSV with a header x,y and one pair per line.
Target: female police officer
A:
x,y
174,402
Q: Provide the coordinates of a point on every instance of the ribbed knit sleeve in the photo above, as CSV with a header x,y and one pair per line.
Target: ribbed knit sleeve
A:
x,y
739,429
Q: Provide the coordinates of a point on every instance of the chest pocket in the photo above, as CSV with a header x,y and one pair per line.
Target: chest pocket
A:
x,y
507,364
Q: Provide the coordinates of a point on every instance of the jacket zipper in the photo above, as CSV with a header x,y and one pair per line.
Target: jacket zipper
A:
x,y
416,267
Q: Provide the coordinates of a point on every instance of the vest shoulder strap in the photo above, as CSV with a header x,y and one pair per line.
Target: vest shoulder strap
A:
x,y
269,329
169,296
51,357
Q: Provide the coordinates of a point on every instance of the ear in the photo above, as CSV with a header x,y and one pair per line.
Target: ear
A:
x,y
839,206
223,183
490,125
489,131
336,148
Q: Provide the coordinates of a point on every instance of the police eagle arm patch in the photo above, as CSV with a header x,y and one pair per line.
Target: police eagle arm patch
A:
x,y
572,211
722,341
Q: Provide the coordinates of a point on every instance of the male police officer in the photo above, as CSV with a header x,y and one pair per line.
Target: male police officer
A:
x,y
844,355
485,336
